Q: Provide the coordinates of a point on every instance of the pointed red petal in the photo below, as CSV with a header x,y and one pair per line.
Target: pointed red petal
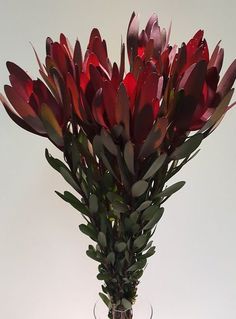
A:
x,y
24,109
228,80
109,97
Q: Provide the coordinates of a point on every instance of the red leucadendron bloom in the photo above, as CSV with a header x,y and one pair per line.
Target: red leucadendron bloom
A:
x,y
168,89
123,135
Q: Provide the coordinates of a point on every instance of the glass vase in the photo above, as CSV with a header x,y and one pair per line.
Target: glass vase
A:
x,y
140,310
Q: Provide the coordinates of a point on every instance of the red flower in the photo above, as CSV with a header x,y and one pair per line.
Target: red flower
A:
x,y
168,90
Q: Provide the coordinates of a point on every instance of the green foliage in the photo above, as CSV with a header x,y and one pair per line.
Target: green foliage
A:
x,y
139,188
89,230
71,199
93,204
170,190
102,239
155,166
154,220
140,242
105,300
126,303
121,196
120,246
188,147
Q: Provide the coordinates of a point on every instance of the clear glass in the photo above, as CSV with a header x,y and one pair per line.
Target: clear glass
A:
x,y
141,310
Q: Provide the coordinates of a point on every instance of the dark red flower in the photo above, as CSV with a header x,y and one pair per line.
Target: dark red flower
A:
x,y
170,89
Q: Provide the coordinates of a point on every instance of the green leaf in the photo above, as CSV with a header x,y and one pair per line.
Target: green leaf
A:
x,y
138,274
120,246
103,276
71,199
126,303
149,253
144,205
154,219
140,242
170,190
150,212
119,207
89,231
97,145
111,258
69,178
105,300
129,156
187,147
54,162
131,226
108,165
156,165
102,239
93,204
138,265
107,180
114,197
139,188
108,142
134,216
91,253
148,245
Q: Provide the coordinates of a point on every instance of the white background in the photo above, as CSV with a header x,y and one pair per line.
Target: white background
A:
x,y
44,272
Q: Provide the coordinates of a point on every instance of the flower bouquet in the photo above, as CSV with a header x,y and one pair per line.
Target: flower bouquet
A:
x,y
123,136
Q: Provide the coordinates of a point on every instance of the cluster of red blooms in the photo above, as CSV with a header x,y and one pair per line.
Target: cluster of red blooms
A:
x,y
166,87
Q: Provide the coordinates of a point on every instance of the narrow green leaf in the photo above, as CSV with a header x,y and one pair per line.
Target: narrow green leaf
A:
x,y
155,219
149,212
138,265
119,207
126,303
54,162
89,231
134,216
108,165
105,300
149,253
170,190
111,258
102,239
103,276
156,165
108,142
144,205
139,188
140,242
129,156
97,145
71,199
114,197
93,255
120,246
93,203
69,178
187,147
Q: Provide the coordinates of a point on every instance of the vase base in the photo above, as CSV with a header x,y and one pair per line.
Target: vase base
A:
x,y
141,310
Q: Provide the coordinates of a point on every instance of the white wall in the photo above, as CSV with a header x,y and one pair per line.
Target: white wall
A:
x,y
44,273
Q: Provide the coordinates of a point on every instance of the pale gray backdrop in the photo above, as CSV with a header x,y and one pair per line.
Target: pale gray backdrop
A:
x,y
44,273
